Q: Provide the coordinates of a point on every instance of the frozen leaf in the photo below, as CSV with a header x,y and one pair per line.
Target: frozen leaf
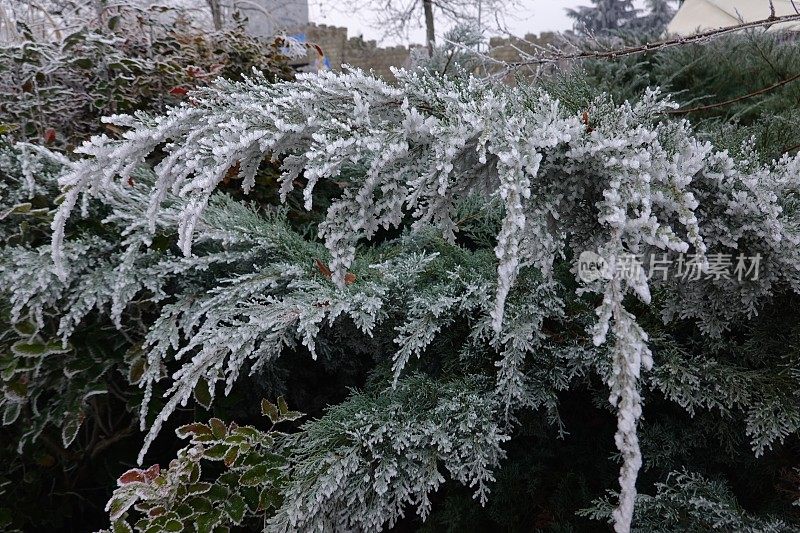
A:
x,y
202,393
269,409
218,428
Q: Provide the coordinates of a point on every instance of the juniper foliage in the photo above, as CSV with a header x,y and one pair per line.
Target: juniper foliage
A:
x,y
734,88
689,501
614,178
622,17
444,218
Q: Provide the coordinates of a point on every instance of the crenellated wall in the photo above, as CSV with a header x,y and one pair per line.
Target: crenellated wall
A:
x,y
340,49
507,48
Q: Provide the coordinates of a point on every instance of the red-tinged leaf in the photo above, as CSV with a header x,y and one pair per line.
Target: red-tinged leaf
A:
x,y
195,428
178,91
231,173
156,511
133,475
349,278
151,473
113,129
218,428
323,268
49,136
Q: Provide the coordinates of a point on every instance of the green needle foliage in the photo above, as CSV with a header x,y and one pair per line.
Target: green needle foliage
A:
x,y
734,87
398,261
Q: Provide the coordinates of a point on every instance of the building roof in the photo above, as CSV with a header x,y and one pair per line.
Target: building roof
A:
x,y
700,15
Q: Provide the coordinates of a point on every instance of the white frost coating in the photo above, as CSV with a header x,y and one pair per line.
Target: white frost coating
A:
x,y
629,355
627,184
385,458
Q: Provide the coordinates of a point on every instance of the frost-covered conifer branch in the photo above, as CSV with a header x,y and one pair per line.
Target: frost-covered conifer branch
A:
x,y
685,501
766,395
360,465
612,179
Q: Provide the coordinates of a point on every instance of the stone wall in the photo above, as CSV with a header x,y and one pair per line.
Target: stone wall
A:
x,y
340,49
507,48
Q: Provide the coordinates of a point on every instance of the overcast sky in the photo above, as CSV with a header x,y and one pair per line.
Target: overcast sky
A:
x,y
530,16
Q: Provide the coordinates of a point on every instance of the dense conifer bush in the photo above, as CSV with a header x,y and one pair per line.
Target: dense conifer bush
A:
x,y
401,262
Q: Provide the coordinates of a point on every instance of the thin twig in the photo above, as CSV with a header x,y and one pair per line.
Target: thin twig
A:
x,y
650,47
791,149
111,439
449,59
734,100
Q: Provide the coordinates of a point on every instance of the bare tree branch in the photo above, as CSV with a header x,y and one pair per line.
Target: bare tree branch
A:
x,y
737,99
649,47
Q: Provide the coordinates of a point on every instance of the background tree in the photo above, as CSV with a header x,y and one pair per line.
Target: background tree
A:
x,y
603,16
397,17
658,14
216,13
